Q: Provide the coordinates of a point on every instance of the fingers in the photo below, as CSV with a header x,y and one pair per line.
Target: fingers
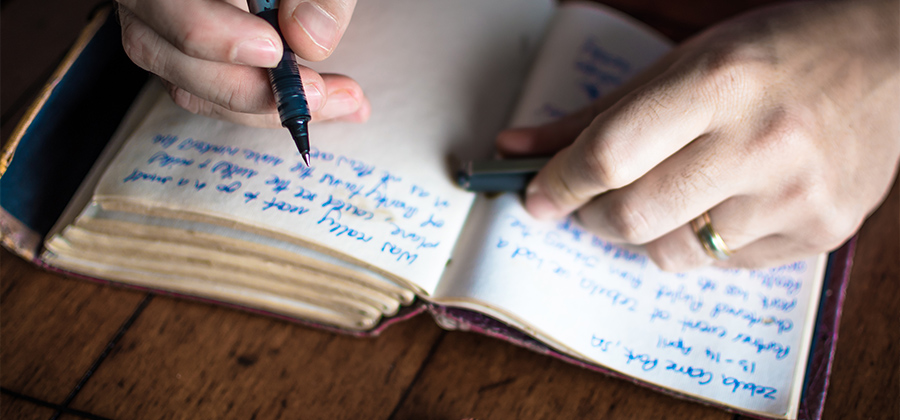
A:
x,y
758,230
683,251
344,102
234,87
226,91
622,144
217,30
739,221
224,31
313,28
207,51
706,175
698,177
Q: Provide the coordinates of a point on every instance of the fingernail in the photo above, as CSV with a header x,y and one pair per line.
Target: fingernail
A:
x,y
339,104
321,27
314,97
260,52
537,204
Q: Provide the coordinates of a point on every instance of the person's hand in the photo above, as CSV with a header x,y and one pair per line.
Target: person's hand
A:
x,y
783,124
207,52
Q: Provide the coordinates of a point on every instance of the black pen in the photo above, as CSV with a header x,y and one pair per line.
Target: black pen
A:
x,y
286,83
498,175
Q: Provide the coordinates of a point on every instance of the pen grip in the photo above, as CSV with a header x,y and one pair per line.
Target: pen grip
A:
x,y
285,80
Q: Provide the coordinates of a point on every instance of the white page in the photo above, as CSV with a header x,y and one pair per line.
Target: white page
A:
x,y
441,77
735,337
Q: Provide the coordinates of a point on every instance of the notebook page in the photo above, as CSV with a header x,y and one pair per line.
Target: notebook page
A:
x,y
735,337
441,78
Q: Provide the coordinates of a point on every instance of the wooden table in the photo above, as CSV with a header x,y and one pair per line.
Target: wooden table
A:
x,y
74,349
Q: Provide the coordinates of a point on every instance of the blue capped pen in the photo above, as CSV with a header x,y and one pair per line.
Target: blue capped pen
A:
x,y
286,83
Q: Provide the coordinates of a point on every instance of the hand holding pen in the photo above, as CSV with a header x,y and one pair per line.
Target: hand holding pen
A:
x,y
208,53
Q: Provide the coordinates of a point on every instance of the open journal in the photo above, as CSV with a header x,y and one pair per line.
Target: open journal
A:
x,y
228,213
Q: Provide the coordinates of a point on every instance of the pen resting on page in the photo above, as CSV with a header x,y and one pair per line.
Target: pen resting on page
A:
x,y
286,83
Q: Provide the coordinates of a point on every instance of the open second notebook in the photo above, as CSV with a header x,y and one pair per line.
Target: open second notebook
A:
x,y
206,208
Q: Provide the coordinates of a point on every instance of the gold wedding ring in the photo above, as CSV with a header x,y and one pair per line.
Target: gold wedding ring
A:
x,y
713,244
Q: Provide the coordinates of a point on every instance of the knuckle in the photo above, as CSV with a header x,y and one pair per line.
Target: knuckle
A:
x,y
811,190
826,222
181,98
731,72
644,108
828,229
784,135
194,40
190,102
628,222
601,165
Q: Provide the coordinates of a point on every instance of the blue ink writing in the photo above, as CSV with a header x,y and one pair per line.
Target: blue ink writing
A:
x,y
304,194
615,297
229,188
284,206
431,222
703,327
228,170
144,176
703,376
601,343
646,362
340,207
164,159
693,302
781,304
779,350
339,230
262,157
278,184
751,317
164,140
302,170
678,344
203,147
402,255
659,314
735,384
353,188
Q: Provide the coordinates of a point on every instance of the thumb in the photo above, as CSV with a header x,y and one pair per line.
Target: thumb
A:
x,y
567,182
313,28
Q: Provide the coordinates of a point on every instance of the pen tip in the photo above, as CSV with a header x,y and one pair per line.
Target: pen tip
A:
x,y
305,158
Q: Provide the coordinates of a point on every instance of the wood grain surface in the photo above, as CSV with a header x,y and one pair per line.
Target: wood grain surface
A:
x,y
71,349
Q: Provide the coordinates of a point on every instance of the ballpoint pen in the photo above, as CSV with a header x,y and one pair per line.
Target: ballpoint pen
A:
x,y
286,83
